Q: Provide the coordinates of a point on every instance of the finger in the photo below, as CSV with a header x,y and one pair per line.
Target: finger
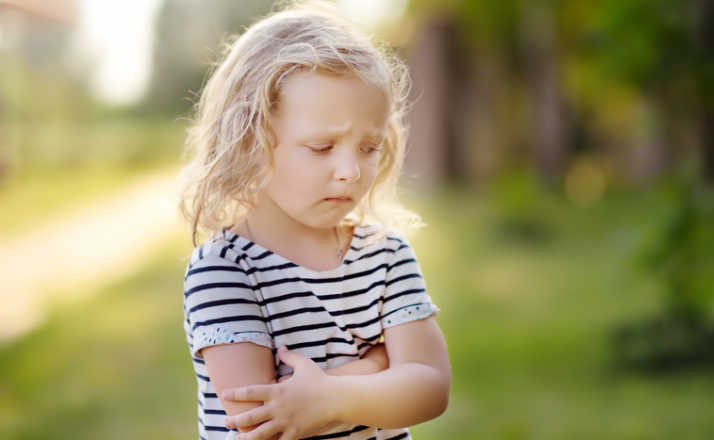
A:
x,y
284,378
291,358
288,435
262,432
251,393
249,418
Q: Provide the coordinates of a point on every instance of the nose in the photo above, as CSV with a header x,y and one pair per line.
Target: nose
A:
x,y
347,168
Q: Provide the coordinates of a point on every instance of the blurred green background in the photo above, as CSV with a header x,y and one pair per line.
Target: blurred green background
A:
x,y
562,156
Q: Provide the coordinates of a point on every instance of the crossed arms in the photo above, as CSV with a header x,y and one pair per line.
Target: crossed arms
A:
x,y
408,384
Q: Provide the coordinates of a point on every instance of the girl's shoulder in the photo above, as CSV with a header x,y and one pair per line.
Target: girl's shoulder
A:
x,y
217,258
224,245
377,235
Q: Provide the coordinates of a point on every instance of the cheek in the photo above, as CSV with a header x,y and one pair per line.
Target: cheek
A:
x,y
369,170
293,175
290,182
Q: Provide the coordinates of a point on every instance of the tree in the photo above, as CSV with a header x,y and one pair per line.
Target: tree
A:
x,y
189,34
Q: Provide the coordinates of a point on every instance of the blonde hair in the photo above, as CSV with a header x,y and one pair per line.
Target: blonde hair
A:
x,y
231,132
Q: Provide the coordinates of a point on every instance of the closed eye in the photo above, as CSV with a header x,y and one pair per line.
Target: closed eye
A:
x,y
320,148
372,146
370,149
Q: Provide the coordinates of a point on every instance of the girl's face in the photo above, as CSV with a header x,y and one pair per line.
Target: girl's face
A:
x,y
329,131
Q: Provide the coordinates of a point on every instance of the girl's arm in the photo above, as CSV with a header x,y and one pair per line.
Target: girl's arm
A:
x,y
374,361
245,363
240,364
414,389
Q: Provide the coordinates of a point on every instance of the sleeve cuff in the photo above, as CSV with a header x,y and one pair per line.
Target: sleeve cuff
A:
x,y
218,335
409,313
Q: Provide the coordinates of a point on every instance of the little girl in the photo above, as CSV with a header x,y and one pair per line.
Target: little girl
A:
x,y
306,314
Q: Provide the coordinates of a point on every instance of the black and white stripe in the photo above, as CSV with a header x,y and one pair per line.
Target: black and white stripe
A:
x,y
237,291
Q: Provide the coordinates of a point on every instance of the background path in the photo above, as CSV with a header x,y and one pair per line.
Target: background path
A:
x,y
77,252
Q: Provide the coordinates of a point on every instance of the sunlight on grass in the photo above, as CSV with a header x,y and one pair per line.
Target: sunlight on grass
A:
x,y
33,197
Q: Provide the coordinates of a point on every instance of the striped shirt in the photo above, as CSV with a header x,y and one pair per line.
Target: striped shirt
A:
x,y
237,291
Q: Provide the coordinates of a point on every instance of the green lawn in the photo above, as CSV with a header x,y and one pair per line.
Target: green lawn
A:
x,y
56,165
527,312
40,194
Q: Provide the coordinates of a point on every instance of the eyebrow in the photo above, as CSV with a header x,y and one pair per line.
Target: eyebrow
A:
x,y
372,134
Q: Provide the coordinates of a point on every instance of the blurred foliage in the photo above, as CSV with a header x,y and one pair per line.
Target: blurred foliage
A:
x,y
645,42
629,72
637,77
60,147
51,122
185,53
521,197
679,251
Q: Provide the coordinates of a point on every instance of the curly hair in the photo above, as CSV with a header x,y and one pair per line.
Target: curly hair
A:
x,y
230,135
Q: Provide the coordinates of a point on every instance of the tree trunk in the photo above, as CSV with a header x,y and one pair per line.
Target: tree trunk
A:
x,y
550,127
705,43
428,145
482,119
707,145
650,154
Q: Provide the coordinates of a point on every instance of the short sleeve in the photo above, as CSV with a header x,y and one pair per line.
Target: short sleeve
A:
x,y
220,306
405,298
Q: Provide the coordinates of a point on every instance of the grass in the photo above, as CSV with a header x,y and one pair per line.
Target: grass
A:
x,y
527,312
54,165
111,367
41,194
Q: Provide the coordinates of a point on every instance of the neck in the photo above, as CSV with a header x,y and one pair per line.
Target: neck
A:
x,y
317,248
268,225
269,222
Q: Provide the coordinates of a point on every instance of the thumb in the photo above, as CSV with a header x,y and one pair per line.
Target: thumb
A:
x,y
291,358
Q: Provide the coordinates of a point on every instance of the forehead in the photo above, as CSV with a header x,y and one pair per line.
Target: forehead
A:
x,y
319,100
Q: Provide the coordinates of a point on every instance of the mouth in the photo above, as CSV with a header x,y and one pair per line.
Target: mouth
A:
x,y
339,199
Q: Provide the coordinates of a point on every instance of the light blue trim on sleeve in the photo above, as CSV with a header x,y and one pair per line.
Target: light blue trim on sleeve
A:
x,y
219,335
409,313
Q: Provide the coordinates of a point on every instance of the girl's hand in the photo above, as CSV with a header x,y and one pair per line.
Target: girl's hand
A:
x,y
297,407
374,361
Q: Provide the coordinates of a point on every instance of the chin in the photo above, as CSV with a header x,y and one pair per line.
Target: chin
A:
x,y
327,223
